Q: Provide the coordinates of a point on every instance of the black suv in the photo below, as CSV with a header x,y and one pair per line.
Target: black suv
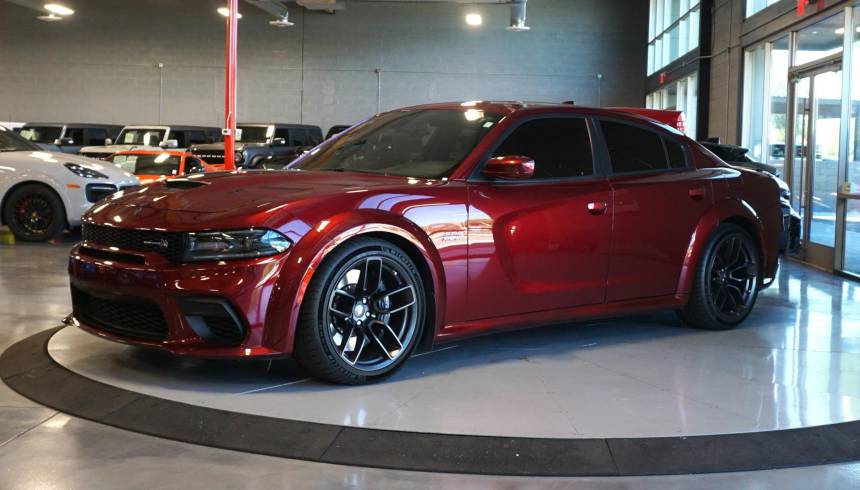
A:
x,y
68,137
257,143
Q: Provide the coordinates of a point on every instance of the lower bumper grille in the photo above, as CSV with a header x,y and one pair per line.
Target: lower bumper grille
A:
x,y
129,317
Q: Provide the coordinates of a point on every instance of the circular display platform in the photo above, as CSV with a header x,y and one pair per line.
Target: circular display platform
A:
x,y
627,397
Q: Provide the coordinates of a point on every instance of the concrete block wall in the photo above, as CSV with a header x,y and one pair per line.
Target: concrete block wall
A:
x,y
102,65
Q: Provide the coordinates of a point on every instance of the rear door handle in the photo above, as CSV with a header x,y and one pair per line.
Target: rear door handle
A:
x,y
597,207
697,194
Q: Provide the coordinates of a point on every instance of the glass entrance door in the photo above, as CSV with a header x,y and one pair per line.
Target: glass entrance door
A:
x,y
817,98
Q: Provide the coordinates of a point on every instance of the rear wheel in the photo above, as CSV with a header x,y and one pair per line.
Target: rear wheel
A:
x,y
727,281
362,314
34,213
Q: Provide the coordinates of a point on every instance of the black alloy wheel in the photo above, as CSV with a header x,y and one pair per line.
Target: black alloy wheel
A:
x,y
363,313
34,213
727,283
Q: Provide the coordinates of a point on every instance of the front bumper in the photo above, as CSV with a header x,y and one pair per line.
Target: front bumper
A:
x,y
189,310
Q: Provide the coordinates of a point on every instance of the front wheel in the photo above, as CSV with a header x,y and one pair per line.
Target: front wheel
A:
x,y
34,213
727,281
362,313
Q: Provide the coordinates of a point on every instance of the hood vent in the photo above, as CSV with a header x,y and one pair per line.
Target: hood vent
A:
x,y
184,184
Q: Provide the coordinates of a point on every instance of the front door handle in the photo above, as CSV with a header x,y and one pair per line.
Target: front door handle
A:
x,y
597,207
697,194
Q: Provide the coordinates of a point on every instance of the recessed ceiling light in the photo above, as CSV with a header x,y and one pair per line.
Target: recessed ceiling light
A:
x,y
226,12
56,8
474,19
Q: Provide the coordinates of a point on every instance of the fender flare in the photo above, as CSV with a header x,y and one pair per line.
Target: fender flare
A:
x,y
318,243
721,211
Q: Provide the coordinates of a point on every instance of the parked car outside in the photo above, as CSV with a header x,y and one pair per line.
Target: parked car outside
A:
x,y
426,225
153,166
153,138
43,193
789,241
256,143
68,137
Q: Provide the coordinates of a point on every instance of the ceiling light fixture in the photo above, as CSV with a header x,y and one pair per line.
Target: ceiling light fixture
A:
x,y
225,12
49,18
474,20
57,9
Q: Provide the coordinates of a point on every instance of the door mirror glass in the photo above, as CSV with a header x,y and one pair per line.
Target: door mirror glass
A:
x,y
512,167
108,141
169,144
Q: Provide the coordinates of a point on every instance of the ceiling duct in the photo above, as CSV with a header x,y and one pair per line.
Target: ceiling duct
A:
x,y
518,16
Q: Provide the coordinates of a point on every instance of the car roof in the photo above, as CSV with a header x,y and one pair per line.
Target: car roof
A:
x,y
172,127
278,125
521,108
176,153
72,125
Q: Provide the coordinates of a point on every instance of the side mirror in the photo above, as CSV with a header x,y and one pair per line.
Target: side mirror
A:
x,y
169,144
279,141
513,167
64,141
108,141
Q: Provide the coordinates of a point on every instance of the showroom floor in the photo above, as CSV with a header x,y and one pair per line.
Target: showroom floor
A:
x,y
795,363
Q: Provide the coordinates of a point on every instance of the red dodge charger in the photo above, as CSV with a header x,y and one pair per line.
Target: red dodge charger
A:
x,y
424,225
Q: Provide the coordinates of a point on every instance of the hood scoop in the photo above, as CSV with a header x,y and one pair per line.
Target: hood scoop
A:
x,y
184,184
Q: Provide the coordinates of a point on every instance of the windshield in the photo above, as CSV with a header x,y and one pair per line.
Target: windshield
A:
x,y
145,137
252,134
10,141
423,144
40,134
163,164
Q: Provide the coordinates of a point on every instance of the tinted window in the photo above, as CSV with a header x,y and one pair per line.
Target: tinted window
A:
x,y
283,133
633,149
299,137
560,147
147,137
76,134
193,166
95,136
676,153
40,134
181,137
197,138
252,134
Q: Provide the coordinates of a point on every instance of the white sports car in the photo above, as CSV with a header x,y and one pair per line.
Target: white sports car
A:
x,y
44,193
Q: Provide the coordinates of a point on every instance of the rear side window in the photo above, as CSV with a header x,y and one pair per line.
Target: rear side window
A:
x,y
299,137
633,149
560,147
675,152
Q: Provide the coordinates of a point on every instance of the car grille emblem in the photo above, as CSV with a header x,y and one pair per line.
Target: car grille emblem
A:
x,y
163,243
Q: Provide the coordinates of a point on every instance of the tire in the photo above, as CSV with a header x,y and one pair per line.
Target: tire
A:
x,y
341,338
34,213
727,282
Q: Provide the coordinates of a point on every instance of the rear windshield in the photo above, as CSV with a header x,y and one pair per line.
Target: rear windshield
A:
x,y
163,164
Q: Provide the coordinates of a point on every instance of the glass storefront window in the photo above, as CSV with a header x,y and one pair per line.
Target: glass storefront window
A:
x,y
755,6
754,96
673,31
820,40
851,262
777,123
853,174
678,96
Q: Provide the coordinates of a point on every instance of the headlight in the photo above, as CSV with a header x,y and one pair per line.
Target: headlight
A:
x,y
240,244
240,157
84,172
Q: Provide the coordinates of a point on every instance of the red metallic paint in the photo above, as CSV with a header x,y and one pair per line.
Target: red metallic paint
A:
x,y
495,255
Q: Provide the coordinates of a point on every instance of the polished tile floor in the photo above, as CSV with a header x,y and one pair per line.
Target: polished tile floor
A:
x,y
795,363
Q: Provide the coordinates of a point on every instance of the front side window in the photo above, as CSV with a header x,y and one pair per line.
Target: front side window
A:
x,y
76,135
633,149
560,147
145,137
161,164
40,134
427,144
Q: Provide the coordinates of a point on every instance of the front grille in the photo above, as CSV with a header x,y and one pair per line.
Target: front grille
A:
x,y
126,316
214,157
170,245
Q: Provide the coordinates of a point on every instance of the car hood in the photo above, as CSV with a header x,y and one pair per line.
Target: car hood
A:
x,y
36,159
246,193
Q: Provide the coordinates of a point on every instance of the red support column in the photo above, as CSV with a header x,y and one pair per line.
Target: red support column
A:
x,y
230,106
